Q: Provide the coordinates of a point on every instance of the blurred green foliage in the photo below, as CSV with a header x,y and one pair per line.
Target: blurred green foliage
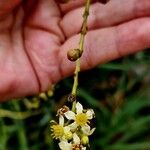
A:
x,y
118,91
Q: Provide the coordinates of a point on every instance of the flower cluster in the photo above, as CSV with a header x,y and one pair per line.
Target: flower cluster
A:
x,y
73,129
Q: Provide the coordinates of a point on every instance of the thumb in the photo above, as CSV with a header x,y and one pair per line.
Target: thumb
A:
x,y
6,6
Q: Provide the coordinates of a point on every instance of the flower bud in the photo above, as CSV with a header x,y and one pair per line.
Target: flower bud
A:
x,y
71,98
43,96
62,110
74,54
85,140
68,135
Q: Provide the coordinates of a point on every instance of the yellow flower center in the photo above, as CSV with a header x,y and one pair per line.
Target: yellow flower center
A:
x,y
68,135
81,119
57,131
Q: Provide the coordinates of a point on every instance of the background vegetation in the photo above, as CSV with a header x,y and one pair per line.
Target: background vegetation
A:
x,y
118,91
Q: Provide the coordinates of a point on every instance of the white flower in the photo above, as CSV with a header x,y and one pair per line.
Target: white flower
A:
x,y
81,118
64,145
76,139
59,131
77,143
87,130
74,134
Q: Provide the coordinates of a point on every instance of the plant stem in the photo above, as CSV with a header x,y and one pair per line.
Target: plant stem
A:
x,y
81,45
23,144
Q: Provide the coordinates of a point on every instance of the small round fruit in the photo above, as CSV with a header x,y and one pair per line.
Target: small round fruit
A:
x,y
74,54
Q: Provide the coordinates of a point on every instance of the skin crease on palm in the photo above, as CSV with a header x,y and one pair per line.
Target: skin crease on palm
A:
x,y
35,36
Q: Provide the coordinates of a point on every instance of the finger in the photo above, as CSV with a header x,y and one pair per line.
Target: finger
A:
x,y
44,15
113,13
42,40
6,6
103,45
72,4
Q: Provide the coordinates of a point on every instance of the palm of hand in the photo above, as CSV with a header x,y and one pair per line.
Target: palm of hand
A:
x,y
33,47
30,40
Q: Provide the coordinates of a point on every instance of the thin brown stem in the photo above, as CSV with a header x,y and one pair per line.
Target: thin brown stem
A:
x,y
81,45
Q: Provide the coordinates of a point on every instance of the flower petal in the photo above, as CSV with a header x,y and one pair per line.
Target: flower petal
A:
x,y
90,113
91,132
86,129
83,148
76,139
70,115
61,120
64,145
73,126
79,108
66,129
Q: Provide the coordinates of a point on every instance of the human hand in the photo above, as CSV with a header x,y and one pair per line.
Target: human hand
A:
x,y
36,35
